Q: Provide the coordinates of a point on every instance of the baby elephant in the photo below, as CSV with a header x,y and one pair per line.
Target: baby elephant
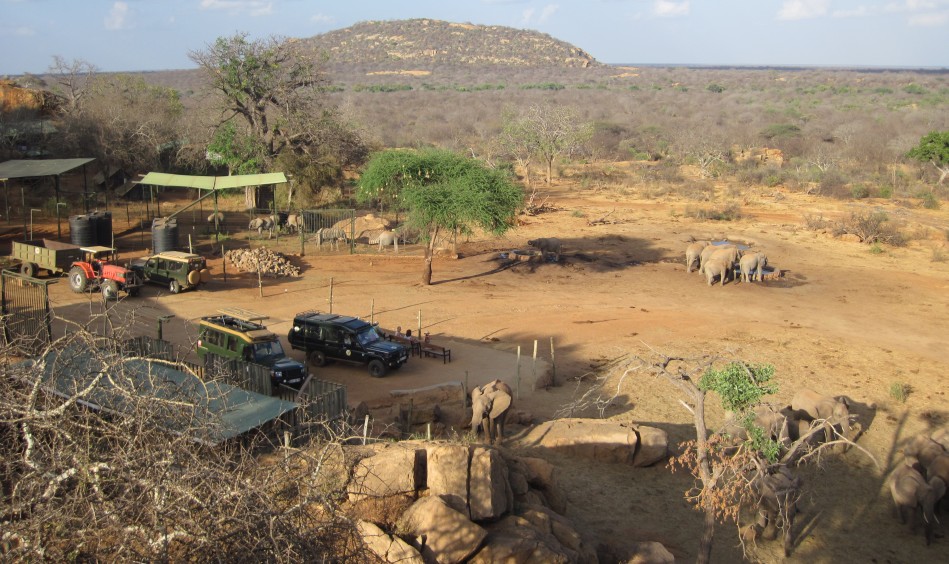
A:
x,y
752,266
715,267
547,245
913,496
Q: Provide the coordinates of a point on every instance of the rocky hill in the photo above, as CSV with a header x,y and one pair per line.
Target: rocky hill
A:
x,y
426,42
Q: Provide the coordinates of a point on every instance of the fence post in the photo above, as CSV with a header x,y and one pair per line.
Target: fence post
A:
x,y
224,263
553,364
372,311
517,377
331,295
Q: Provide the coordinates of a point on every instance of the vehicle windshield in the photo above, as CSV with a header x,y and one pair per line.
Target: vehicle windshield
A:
x,y
270,349
368,336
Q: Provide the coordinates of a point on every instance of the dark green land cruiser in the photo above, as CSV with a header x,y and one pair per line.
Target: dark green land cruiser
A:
x,y
327,336
174,270
237,334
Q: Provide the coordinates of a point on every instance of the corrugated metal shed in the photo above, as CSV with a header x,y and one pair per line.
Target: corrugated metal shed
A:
x,y
212,182
26,168
208,412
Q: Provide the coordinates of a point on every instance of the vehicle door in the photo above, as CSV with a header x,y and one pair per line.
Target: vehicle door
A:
x,y
151,271
351,347
333,343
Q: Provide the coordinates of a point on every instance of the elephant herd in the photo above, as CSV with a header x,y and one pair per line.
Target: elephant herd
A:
x,y
810,420
722,260
918,484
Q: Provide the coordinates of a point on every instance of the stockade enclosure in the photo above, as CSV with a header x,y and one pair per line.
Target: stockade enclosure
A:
x,y
25,309
319,403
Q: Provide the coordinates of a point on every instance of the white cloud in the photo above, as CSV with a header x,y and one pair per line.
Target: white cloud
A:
x,y
322,18
526,16
668,9
803,9
250,7
931,19
548,11
858,12
118,16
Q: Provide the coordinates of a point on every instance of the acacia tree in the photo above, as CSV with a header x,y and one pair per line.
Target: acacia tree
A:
x,y
934,148
545,131
441,191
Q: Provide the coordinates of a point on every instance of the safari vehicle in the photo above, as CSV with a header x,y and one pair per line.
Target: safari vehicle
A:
x,y
97,270
326,336
238,334
175,270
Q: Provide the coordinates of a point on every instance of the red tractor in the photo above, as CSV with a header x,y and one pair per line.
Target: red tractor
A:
x,y
97,271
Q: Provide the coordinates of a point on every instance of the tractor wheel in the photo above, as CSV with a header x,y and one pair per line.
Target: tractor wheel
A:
x,y
77,279
174,287
110,290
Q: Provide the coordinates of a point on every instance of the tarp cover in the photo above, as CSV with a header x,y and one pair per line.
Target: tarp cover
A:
x,y
212,182
181,403
41,167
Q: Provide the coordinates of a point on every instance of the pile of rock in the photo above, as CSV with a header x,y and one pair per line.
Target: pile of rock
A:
x,y
459,506
269,262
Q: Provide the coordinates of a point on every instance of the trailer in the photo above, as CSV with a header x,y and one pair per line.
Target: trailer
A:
x,y
54,256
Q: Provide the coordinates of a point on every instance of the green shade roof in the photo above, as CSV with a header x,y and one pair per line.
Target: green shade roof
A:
x,y
212,182
179,402
42,167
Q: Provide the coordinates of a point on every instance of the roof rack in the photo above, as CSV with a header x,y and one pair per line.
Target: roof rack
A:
x,y
243,314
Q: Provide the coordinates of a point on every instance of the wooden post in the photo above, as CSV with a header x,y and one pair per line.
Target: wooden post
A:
x,y
331,295
190,246
372,310
553,364
301,227
419,323
224,263
517,375
260,284
534,364
365,429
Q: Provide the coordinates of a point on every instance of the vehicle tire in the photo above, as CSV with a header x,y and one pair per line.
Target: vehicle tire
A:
x,y
77,279
174,287
28,269
194,278
134,291
110,290
376,368
205,275
317,358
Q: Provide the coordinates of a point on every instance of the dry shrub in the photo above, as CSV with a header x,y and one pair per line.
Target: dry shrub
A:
x,y
725,212
872,227
700,191
816,222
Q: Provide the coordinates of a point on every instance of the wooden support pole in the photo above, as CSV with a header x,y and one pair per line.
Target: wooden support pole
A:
x,y
553,364
331,295
517,375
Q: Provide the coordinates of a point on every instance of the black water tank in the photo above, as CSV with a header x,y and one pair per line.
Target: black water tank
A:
x,y
164,234
102,222
82,231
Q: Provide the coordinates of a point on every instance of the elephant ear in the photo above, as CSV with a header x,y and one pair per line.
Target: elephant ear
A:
x,y
499,404
475,394
938,487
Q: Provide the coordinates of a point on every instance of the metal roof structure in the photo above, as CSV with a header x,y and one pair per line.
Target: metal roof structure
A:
x,y
181,403
27,168
212,182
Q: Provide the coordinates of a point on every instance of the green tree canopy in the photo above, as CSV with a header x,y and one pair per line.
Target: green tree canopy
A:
x,y
934,148
441,191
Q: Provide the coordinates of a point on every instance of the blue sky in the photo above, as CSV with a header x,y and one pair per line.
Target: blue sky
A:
x,y
127,35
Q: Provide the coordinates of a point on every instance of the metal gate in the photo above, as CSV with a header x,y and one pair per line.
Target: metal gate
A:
x,y
328,230
26,319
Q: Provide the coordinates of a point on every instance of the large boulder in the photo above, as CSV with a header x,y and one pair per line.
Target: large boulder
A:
x,y
448,535
387,548
391,469
489,494
447,467
604,441
516,539
650,552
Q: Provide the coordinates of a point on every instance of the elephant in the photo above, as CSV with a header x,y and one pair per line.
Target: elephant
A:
x,y
705,255
715,268
773,422
938,469
941,436
778,494
912,494
387,238
729,254
693,252
834,410
261,224
294,223
752,263
216,219
489,407
924,449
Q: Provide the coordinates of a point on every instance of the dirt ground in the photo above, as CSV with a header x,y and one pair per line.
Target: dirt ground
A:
x,y
842,320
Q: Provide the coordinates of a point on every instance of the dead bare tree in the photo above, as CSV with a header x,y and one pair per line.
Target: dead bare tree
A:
x,y
139,479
